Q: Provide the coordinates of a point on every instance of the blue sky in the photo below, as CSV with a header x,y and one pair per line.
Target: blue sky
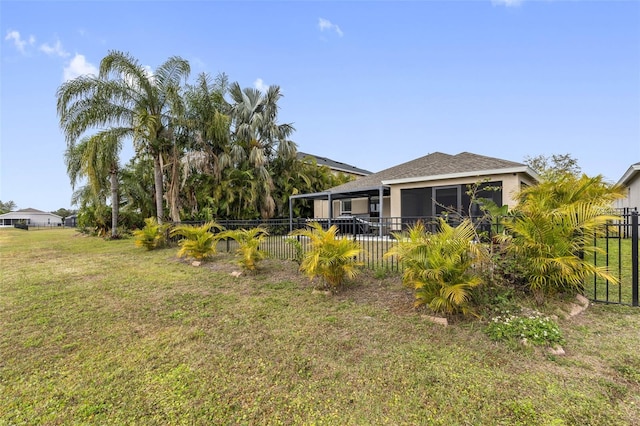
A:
x,y
369,83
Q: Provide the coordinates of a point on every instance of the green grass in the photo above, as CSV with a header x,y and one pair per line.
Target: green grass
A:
x,y
99,332
619,263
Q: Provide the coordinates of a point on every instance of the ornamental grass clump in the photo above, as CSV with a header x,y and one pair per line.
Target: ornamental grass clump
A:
x,y
534,329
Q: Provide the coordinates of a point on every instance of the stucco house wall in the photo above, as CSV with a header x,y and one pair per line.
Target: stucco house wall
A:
x,y
631,181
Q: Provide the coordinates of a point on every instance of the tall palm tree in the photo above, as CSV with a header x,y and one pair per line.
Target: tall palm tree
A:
x,y
257,138
127,97
96,158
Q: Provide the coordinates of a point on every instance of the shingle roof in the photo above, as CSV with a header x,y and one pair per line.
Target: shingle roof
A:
x,y
334,165
435,164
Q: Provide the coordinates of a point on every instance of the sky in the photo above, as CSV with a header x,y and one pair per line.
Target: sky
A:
x,y
369,83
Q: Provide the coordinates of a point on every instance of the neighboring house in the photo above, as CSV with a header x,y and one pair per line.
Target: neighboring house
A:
x,y
335,166
424,187
30,217
71,221
631,181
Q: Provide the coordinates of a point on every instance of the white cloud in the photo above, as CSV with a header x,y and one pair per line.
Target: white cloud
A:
x,y
55,50
507,3
325,24
259,84
79,66
18,42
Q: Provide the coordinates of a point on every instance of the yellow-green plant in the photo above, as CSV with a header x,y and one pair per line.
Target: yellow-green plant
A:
x,y
198,242
551,232
440,266
152,235
248,246
331,257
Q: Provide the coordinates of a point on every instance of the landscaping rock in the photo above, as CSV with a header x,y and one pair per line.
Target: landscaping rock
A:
x,y
582,300
558,350
196,263
236,274
575,309
323,292
436,320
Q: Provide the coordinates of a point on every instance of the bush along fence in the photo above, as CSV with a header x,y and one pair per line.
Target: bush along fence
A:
x,y
374,235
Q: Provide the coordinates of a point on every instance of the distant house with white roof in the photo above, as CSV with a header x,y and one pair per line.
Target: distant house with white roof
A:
x,y
31,217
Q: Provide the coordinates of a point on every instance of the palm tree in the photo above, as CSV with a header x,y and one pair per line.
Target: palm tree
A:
x,y
555,223
257,138
129,100
96,158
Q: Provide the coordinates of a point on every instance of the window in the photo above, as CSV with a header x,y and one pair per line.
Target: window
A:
x,y
345,207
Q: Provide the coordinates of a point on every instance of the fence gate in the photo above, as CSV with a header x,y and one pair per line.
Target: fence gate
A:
x,y
620,255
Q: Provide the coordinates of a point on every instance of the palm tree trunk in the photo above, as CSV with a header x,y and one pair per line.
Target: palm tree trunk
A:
x,y
157,181
173,193
115,204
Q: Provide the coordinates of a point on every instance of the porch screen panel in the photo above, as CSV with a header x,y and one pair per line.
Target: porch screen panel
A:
x,y
493,195
446,199
416,202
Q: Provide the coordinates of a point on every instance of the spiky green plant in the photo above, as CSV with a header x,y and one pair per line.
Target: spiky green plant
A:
x,y
248,246
198,242
439,266
331,257
551,247
152,235
553,229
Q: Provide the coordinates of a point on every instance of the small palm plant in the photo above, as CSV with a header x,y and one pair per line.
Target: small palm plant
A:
x,y
550,247
552,231
198,242
248,246
152,235
329,256
439,266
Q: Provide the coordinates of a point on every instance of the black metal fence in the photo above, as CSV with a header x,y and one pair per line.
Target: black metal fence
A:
x,y
620,256
376,236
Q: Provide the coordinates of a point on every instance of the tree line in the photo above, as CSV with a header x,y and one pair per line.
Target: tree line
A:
x,y
210,149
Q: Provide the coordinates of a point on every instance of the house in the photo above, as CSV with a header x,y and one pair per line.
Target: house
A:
x,y
631,181
335,166
31,217
424,187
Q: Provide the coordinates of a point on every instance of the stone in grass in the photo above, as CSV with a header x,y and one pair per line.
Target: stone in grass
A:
x,y
236,274
436,320
582,300
196,263
556,350
323,292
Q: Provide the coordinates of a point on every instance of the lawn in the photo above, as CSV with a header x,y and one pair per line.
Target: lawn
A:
x,y
100,332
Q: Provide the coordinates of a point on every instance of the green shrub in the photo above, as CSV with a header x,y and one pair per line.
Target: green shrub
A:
x,y
198,242
552,231
534,329
298,250
248,246
330,257
152,236
439,266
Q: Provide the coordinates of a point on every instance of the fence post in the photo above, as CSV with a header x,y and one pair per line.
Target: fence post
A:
x,y
634,258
